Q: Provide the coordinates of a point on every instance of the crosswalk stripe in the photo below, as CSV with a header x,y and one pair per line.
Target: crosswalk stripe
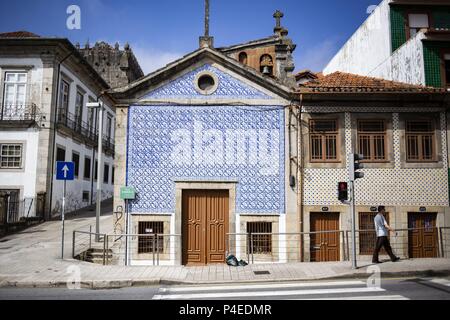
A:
x,y
262,286
266,293
393,297
443,282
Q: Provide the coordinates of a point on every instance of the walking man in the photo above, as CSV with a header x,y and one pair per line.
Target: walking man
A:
x,y
381,228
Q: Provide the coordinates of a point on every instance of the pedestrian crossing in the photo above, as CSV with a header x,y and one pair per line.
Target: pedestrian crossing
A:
x,y
323,290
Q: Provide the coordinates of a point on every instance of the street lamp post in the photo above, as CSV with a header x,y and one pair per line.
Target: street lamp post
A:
x,y
99,106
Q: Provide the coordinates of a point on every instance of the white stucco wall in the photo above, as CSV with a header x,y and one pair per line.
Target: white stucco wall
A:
x,y
406,64
74,189
368,47
24,178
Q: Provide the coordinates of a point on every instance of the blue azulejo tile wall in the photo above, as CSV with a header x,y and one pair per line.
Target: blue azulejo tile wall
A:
x,y
206,143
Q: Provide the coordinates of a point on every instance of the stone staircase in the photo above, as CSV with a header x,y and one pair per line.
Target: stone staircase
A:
x,y
95,255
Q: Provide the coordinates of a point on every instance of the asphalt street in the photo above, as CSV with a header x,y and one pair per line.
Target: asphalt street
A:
x,y
390,289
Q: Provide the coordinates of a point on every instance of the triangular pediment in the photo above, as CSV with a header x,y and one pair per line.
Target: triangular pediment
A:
x,y
178,81
228,87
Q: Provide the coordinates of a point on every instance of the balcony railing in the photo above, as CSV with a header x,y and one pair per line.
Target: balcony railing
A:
x,y
19,112
84,129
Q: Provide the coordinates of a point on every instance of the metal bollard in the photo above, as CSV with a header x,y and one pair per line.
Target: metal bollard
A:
x,y
251,247
107,249
73,245
153,247
90,237
157,248
104,249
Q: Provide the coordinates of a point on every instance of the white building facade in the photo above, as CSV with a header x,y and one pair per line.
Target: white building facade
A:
x,y
405,41
45,85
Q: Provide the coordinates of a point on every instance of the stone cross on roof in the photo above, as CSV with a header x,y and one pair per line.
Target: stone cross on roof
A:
x,y
278,15
279,30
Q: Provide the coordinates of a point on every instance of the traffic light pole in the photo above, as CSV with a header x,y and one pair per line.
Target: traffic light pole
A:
x,y
352,211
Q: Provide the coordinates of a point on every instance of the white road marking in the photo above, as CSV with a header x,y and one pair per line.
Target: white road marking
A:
x,y
262,286
394,297
266,293
443,282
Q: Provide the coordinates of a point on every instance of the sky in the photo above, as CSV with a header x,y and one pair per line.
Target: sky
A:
x,y
160,31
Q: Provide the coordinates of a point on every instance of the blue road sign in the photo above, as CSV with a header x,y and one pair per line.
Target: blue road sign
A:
x,y
65,170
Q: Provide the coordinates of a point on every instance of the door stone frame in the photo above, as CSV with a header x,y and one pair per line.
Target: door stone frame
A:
x,y
202,185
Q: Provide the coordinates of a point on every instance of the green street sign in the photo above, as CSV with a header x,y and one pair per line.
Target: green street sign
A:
x,y
127,193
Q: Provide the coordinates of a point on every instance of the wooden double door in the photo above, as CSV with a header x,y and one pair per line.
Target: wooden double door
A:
x,y
324,246
205,215
423,241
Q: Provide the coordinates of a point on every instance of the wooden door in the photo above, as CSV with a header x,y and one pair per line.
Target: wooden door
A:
x,y
324,246
422,243
205,225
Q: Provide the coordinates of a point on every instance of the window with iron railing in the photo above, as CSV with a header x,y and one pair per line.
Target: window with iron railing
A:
x,y
372,140
10,156
323,140
64,98
420,142
257,242
147,243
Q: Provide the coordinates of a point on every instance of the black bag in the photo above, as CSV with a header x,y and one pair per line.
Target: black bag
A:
x,y
232,261
242,263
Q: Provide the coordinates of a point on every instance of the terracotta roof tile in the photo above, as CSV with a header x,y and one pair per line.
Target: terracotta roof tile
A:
x,y
347,82
19,34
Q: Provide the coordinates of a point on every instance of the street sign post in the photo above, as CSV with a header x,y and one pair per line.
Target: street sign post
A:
x,y
126,194
64,171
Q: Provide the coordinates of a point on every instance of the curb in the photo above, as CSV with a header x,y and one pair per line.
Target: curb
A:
x,y
127,283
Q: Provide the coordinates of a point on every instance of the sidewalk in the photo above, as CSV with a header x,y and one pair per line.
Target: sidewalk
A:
x,y
32,259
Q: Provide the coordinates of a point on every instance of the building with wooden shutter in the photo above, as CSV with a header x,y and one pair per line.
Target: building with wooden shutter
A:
x,y
402,131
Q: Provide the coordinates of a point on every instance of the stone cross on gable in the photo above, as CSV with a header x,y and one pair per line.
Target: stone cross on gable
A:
x,y
278,15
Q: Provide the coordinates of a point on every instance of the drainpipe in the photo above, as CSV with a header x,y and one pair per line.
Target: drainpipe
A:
x,y
55,119
300,176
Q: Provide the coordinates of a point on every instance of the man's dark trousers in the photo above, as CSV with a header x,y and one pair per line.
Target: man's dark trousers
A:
x,y
383,242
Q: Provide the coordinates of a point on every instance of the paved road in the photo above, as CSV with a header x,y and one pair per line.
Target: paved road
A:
x,y
391,289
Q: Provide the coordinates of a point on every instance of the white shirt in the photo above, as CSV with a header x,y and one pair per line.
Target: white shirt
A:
x,y
380,225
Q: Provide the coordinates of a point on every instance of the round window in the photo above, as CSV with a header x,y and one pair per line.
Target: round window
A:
x,y
206,82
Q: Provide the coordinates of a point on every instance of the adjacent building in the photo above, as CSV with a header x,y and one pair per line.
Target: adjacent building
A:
x,y
45,85
402,40
401,130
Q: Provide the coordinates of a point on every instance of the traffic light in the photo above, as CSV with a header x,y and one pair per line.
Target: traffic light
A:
x,y
342,191
354,160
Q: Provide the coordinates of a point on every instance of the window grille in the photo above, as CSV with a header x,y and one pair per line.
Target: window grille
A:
x,y
145,243
260,243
